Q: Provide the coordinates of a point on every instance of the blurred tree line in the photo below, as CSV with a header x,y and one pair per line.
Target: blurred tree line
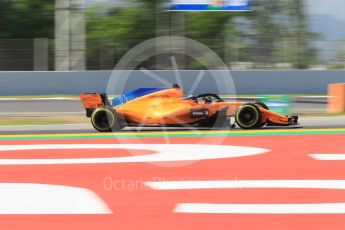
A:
x,y
275,31
21,19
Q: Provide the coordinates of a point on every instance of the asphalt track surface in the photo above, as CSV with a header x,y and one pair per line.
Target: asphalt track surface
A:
x,y
267,179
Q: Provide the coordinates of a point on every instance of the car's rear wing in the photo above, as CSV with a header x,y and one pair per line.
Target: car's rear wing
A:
x,y
92,101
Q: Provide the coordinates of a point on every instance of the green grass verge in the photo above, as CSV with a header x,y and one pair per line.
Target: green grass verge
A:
x,y
173,134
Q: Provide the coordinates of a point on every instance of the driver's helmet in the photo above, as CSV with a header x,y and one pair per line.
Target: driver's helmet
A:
x,y
208,100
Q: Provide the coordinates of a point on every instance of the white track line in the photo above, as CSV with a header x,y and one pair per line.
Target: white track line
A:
x,y
317,208
326,208
162,153
29,198
235,184
328,157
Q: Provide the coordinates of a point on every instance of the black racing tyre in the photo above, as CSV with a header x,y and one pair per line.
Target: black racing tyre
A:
x,y
263,105
105,119
248,116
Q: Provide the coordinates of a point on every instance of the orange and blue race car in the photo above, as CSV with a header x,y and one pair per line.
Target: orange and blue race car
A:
x,y
168,107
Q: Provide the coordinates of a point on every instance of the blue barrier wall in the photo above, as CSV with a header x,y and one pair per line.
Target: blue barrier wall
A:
x,y
245,82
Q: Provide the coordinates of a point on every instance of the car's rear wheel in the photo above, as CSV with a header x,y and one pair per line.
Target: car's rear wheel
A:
x,y
248,116
105,119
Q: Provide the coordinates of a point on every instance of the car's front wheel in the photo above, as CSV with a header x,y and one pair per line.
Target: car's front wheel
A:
x,y
248,116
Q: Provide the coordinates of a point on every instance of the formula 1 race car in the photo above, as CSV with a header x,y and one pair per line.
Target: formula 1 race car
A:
x,y
168,107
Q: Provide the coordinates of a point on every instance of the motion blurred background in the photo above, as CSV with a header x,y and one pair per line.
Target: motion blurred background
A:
x,y
94,34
